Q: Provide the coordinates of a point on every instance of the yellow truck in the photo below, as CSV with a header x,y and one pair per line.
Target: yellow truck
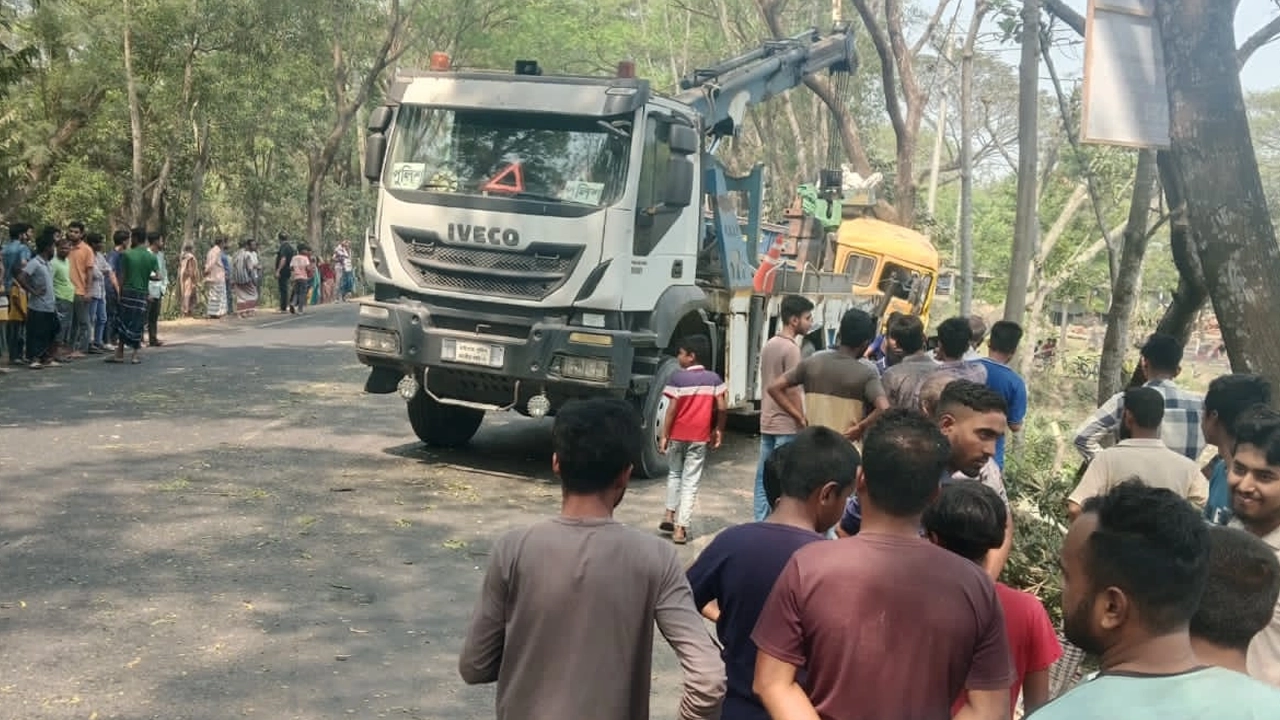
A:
x,y
896,263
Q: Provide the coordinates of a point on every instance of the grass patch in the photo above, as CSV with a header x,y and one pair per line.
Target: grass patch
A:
x,y
175,485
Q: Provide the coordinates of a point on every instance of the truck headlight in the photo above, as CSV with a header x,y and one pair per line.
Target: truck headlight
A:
x,y
374,312
379,341
582,368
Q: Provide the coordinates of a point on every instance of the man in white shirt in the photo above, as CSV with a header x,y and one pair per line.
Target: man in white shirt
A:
x,y
1142,455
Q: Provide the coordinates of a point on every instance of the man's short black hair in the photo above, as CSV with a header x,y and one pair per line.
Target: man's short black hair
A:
x,y
17,230
1230,395
698,346
794,306
857,328
76,225
1153,545
903,456
968,519
773,469
44,242
154,236
137,235
1163,352
120,237
908,332
818,455
972,395
1240,595
1146,405
94,239
595,441
1259,426
1005,337
954,335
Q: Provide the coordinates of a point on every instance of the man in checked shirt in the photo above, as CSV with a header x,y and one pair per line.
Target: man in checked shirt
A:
x,y
1180,431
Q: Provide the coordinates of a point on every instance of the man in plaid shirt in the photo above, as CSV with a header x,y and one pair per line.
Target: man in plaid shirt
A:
x,y
1180,431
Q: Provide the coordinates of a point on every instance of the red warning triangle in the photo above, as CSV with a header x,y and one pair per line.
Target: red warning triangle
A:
x,y
509,179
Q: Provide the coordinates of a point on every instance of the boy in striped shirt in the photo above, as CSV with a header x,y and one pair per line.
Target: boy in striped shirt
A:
x,y
697,397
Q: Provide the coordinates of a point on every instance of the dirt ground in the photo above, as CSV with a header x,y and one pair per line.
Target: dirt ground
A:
x,y
234,530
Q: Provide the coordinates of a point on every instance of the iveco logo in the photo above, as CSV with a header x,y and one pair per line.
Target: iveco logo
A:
x,y
481,234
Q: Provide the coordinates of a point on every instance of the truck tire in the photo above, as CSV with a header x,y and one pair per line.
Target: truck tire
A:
x,y
653,463
442,425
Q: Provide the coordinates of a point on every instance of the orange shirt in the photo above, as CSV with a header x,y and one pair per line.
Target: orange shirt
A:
x,y
80,260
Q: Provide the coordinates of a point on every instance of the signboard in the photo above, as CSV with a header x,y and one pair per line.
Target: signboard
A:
x,y
1126,101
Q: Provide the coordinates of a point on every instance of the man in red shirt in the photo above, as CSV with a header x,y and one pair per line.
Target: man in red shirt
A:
x,y
969,520
696,398
885,624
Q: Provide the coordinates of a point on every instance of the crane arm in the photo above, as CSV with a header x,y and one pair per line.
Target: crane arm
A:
x,y
721,94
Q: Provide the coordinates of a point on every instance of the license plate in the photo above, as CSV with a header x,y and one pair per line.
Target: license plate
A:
x,y
472,353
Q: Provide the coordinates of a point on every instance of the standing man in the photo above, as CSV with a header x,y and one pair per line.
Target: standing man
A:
x,y
80,259
1239,598
15,255
1228,398
156,288
119,243
876,639
138,268
978,332
695,421
347,270
188,279
102,278
1003,345
901,381
284,259
1142,455
1161,362
1255,500
779,356
954,338
836,383
36,279
64,294
565,618
1134,566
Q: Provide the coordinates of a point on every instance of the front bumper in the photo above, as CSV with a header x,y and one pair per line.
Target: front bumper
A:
x,y
494,369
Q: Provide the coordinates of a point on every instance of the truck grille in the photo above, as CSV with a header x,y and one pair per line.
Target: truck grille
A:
x,y
529,274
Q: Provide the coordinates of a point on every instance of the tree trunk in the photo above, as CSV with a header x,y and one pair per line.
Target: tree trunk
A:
x,y
40,165
966,159
197,181
135,121
1211,149
1124,292
1026,222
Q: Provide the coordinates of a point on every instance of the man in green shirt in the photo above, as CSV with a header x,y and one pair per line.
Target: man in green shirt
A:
x,y
64,293
138,267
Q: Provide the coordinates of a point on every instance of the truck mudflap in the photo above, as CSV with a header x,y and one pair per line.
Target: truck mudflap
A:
x,y
401,342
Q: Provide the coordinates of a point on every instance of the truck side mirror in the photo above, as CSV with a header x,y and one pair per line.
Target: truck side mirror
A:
x,y
679,185
684,140
380,119
375,152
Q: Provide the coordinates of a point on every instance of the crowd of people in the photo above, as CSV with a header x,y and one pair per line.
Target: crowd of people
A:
x,y
868,584
67,295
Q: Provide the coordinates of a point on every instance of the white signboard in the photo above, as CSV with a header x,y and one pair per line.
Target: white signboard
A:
x,y
1126,101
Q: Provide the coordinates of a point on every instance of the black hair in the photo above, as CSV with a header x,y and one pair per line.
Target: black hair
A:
x,y
44,242
154,237
595,441
1230,395
908,332
17,230
1153,545
1240,594
119,237
1146,405
94,239
968,519
773,469
857,328
972,395
818,455
220,240
1163,352
794,306
1005,337
75,225
903,456
1259,426
282,236
48,231
698,346
954,335
137,236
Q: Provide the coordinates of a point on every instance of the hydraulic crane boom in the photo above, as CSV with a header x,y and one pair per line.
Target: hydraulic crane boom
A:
x,y
722,93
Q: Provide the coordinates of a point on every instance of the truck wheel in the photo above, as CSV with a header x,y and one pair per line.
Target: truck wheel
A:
x,y
442,425
653,464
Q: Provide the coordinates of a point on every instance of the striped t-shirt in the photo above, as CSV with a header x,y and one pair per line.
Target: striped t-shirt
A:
x,y
694,391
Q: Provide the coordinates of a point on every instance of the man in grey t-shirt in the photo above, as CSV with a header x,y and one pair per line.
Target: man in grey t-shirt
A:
x,y
779,356
42,316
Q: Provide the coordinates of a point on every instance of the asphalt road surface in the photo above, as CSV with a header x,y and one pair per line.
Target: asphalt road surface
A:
x,y
234,530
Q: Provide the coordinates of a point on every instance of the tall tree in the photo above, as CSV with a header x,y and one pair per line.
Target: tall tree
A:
x,y
1027,223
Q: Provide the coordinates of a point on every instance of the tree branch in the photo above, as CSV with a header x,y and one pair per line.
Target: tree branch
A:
x,y
930,28
1064,12
1263,36
887,73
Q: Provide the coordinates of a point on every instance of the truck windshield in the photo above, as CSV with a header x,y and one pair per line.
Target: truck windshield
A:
x,y
510,154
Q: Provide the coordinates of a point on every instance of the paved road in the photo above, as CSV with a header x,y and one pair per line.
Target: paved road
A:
x,y
233,529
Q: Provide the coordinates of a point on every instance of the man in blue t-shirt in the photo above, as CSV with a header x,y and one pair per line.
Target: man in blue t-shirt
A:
x,y
1227,399
1001,347
732,578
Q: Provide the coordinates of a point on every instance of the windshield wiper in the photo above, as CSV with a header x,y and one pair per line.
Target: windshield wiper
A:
x,y
526,195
